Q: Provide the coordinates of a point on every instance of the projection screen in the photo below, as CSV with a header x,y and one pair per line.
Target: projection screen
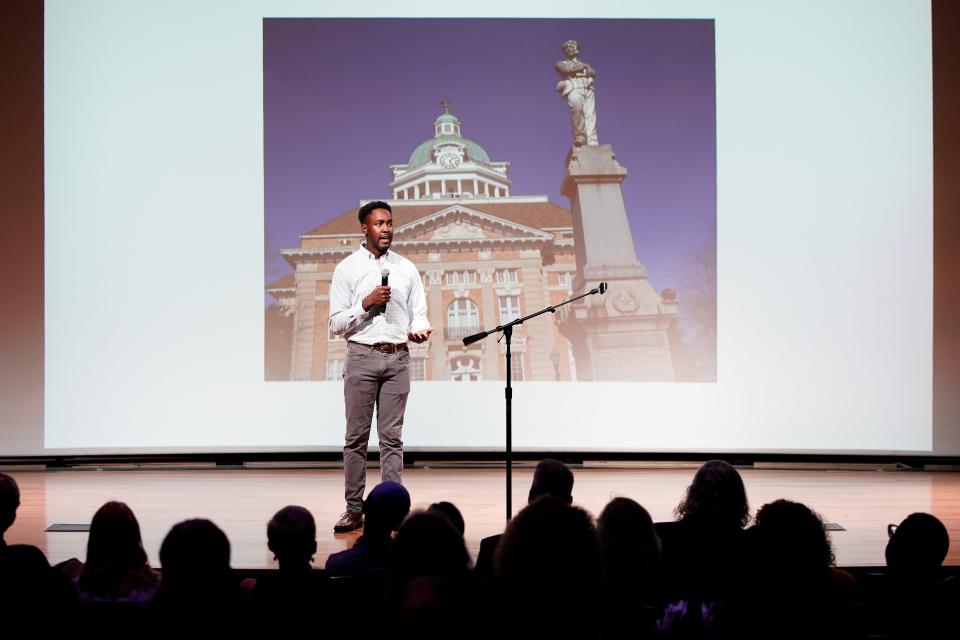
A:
x,y
204,162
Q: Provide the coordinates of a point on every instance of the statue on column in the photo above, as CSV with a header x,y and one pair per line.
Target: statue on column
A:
x,y
577,89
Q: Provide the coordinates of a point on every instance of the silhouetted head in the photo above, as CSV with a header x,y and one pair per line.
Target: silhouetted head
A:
x,y
918,546
552,478
116,562
195,557
628,541
427,544
715,498
9,501
115,537
450,510
385,508
548,560
292,536
791,539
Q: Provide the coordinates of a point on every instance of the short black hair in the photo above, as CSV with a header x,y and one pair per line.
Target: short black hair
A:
x,y
453,514
919,545
292,531
370,206
552,478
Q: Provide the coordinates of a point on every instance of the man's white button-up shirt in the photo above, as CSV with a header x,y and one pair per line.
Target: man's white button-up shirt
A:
x,y
360,273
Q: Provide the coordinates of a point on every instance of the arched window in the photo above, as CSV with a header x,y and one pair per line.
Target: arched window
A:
x,y
463,318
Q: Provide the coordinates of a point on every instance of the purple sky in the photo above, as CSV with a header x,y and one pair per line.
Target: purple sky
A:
x,y
343,99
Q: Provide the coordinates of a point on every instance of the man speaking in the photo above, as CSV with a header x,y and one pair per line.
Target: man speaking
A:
x,y
377,303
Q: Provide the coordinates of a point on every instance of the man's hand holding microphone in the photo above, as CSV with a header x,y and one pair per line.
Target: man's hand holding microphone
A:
x,y
378,299
380,296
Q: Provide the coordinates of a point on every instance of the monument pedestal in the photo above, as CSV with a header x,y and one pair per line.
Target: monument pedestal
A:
x,y
621,335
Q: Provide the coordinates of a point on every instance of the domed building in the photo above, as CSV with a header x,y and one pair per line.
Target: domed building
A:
x,y
467,170
486,257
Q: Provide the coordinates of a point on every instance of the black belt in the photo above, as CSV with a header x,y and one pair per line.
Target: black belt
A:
x,y
383,347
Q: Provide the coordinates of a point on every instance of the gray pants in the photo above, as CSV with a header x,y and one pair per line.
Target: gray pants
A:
x,y
373,378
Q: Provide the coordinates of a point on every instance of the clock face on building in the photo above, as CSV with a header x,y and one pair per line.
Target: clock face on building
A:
x,y
449,159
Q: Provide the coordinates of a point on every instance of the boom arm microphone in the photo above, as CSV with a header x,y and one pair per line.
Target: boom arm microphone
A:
x,y
506,328
601,289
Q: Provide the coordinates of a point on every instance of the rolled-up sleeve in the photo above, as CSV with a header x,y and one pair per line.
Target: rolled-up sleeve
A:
x,y
344,314
417,304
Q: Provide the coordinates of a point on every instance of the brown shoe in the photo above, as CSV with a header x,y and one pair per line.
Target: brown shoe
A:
x,y
349,521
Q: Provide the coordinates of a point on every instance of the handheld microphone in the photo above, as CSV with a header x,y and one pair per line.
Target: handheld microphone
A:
x,y
384,276
603,288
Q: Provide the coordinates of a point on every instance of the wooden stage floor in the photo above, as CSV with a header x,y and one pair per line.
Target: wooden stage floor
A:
x,y
241,501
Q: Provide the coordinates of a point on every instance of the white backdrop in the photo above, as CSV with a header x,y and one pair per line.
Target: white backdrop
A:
x,y
154,311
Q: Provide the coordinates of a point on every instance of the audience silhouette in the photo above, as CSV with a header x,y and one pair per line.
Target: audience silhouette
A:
x,y
704,550
549,561
793,587
550,478
383,511
552,573
198,585
919,601
9,503
27,583
116,568
452,513
295,589
632,568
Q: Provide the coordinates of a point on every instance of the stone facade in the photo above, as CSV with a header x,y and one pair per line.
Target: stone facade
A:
x,y
486,257
479,270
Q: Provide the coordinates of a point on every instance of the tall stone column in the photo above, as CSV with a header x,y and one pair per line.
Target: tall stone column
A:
x,y
304,322
440,368
491,318
540,329
621,335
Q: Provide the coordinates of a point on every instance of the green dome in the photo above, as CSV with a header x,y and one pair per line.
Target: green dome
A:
x,y
422,154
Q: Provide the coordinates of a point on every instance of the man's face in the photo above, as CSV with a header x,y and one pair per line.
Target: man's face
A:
x,y
378,229
571,49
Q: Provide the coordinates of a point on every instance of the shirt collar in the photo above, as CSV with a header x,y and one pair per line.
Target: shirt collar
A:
x,y
387,255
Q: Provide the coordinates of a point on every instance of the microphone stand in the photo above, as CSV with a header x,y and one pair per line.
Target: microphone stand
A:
x,y
507,331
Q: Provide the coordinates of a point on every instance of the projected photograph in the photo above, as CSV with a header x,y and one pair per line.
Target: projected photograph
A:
x,y
526,161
